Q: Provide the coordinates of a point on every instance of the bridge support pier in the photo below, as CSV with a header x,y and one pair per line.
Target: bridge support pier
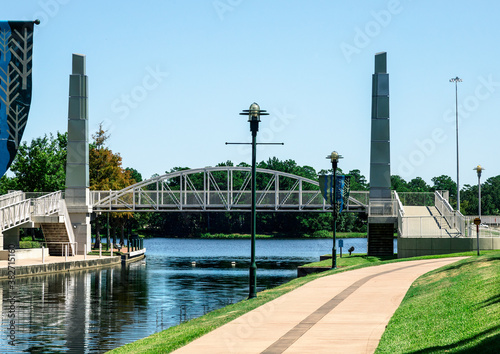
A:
x,y
77,166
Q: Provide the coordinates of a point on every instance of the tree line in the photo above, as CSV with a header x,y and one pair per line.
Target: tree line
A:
x,y
40,167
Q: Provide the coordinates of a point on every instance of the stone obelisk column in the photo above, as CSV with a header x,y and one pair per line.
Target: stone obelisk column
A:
x,y
77,165
381,221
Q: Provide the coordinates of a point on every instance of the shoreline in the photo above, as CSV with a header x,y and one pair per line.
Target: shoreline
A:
x,y
220,236
175,337
58,264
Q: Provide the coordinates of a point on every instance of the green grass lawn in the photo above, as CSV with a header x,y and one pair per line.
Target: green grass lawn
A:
x,y
448,306
349,261
455,309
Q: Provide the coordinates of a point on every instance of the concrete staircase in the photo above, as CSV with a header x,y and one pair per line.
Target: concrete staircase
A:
x,y
54,233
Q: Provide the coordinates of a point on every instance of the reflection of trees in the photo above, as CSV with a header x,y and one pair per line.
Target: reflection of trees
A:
x,y
70,310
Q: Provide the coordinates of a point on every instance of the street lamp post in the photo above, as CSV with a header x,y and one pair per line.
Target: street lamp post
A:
x,y
456,80
479,169
334,158
253,114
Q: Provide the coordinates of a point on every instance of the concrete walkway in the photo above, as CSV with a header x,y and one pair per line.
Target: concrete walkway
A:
x,y
341,313
50,259
53,264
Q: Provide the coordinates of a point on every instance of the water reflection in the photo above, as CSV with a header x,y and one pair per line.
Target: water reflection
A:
x,y
73,310
92,311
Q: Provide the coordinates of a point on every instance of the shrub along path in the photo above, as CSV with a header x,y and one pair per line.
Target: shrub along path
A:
x,y
344,312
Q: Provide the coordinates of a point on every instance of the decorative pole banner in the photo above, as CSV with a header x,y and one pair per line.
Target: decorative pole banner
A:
x,y
16,51
342,194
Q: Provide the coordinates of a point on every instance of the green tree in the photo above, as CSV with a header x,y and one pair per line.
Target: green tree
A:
x,y
105,167
445,183
106,173
399,184
418,185
134,174
41,166
7,184
358,181
490,203
490,198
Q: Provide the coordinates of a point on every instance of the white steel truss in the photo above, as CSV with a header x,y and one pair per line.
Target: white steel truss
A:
x,y
16,210
224,188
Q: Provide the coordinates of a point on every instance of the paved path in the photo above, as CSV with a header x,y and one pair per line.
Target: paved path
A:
x,y
341,313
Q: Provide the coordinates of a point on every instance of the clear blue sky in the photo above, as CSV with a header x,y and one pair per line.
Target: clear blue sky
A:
x,y
169,79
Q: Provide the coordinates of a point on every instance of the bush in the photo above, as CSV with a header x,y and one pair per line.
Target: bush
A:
x,y
322,234
29,244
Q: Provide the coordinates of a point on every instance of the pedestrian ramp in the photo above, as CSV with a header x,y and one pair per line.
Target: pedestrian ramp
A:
x,y
436,219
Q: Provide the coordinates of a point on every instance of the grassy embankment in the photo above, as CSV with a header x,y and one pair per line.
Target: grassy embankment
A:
x,y
176,337
455,309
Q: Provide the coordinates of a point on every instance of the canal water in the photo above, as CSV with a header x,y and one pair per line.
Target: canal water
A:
x,y
92,311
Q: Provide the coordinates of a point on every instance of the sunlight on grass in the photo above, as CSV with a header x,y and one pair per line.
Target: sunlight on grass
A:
x,y
407,327
454,309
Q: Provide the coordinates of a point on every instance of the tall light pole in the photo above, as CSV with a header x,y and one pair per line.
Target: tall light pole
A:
x,y
456,80
253,114
334,158
479,169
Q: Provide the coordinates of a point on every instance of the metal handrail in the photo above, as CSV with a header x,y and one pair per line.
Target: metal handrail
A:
x,y
74,245
11,198
426,226
399,204
15,214
47,204
445,209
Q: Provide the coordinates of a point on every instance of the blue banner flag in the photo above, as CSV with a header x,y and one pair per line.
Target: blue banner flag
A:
x,y
342,186
16,52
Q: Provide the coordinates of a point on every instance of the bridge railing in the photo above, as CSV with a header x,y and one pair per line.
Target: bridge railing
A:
x,y
15,214
306,200
382,207
417,198
490,220
448,223
47,204
424,227
11,198
206,200
445,209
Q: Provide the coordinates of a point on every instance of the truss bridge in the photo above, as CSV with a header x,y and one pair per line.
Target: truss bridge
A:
x,y
221,189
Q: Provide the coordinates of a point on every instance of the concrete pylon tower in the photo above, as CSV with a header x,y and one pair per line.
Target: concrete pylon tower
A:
x,y
380,221
77,165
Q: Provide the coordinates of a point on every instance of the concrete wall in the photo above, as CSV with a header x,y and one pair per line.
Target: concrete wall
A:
x,y
25,253
413,247
38,269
